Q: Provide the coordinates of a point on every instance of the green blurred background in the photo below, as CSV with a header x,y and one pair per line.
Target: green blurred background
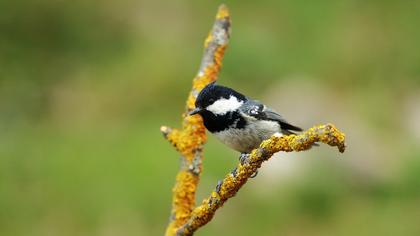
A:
x,y
85,86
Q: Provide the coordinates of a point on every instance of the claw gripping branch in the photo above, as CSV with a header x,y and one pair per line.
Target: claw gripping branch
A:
x,y
190,139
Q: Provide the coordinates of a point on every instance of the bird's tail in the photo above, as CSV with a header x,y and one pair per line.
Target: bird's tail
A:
x,y
289,127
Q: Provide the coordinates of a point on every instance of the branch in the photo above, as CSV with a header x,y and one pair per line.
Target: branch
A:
x,y
232,182
190,139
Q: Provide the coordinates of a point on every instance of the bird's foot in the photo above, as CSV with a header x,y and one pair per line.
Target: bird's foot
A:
x,y
243,158
254,174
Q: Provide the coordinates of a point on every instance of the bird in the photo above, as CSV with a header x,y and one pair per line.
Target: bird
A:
x,y
238,121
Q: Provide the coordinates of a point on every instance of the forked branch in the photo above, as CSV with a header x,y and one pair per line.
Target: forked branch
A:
x,y
189,141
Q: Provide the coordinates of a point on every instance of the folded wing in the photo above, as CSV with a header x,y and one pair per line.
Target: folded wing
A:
x,y
260,111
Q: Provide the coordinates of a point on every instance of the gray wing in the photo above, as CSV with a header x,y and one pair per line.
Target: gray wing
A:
x,y
261,112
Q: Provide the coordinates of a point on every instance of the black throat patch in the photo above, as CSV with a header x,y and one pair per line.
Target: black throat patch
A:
x,y
217,123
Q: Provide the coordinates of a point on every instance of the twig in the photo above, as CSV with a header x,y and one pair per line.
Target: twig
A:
x,y
232,182
190,139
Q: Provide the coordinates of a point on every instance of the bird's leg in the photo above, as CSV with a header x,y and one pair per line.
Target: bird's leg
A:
x,y
243,158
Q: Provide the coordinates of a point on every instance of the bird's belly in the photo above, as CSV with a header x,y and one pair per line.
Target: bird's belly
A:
x,y
246,139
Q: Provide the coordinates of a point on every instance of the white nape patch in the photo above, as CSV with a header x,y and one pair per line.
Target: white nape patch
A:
x,y
223,105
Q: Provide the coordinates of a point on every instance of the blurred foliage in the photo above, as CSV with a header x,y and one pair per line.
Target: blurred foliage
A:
x,y
85,86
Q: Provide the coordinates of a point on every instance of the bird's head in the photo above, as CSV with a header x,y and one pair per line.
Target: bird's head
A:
x,y
218,100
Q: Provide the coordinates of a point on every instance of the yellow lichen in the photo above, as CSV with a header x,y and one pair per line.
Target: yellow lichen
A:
x,y
231,184
222,12
190,139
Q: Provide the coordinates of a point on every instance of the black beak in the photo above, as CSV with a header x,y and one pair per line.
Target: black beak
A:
x,y
195,111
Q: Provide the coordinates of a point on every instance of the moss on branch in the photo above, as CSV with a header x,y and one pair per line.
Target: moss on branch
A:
x,y
189,140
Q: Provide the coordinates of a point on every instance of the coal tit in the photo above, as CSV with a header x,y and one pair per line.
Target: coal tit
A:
x,y
236,120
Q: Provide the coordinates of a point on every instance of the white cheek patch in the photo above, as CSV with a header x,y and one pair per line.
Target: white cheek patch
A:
x,y
223,105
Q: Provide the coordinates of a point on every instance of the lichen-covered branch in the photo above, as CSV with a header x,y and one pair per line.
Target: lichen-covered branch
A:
x,y
190,139
232,182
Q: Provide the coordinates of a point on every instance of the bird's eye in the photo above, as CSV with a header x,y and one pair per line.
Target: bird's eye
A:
x,y
211,100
